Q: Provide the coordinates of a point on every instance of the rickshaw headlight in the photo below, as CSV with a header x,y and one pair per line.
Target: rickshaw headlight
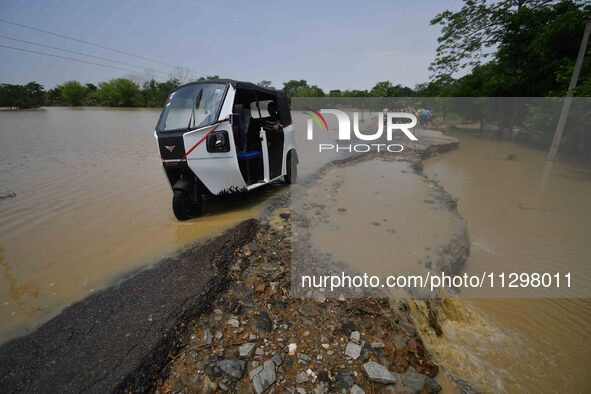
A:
x,y
218,142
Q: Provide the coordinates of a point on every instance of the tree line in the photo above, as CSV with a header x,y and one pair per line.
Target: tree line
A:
x,y
120,92
125,92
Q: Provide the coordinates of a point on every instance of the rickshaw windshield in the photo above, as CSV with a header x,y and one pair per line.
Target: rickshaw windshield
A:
x,y
192,107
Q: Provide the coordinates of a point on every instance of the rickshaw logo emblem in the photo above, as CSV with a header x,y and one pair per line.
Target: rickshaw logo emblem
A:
x,y
170,147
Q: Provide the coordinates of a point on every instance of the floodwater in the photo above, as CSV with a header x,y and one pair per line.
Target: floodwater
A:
x,y
87,202
522,216
84,202
371,217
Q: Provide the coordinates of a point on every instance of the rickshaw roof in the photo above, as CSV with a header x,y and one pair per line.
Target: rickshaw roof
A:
x,y
238,85
282,100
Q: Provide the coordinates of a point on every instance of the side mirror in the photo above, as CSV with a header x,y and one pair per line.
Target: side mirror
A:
x,y
218,142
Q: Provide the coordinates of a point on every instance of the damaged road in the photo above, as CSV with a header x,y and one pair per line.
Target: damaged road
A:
x,y
258,337
121,336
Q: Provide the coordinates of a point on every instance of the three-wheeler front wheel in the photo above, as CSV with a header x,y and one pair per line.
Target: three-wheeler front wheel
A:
x,y
184,207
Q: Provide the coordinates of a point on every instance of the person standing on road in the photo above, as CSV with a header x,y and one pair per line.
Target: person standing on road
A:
x,y
425,118
419,115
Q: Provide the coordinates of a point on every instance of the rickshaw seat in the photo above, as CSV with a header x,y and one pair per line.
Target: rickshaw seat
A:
x,y
246,160
249,155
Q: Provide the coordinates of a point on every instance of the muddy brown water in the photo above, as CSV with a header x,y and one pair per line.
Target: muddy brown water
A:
x,y
371,217
84,202
521,216
90,204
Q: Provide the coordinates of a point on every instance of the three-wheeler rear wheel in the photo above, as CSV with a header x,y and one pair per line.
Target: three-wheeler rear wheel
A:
x,y
291,168
183,206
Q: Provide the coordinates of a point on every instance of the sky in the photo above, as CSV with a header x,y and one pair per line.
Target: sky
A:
x,y
333,44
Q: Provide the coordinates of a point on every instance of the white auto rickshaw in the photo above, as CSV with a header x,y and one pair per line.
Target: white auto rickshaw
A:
x,y
222,136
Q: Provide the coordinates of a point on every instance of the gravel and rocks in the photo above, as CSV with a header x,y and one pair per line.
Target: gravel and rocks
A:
x,y
267,340
259,339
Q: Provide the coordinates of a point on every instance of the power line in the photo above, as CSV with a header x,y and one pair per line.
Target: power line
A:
x,y
70,58
93,44
83,54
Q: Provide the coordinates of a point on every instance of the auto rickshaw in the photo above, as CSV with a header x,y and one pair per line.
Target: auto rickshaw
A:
x,y
222,136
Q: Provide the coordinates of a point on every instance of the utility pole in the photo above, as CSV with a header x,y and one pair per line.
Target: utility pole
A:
x,y
569,94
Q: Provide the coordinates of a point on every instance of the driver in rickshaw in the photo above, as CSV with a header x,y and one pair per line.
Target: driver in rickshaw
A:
x,y
272,122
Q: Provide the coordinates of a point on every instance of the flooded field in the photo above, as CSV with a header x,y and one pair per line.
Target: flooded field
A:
x,y
521,216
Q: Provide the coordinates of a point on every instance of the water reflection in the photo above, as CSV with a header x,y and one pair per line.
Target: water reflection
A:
x,y
18,294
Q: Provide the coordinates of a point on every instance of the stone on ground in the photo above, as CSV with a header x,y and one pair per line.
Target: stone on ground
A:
x,y
378,373
232,368
353,350
264,377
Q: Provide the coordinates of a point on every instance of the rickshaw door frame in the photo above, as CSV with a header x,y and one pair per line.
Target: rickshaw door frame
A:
x,y
264,146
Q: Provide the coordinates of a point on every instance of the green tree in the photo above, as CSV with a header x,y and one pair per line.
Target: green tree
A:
x,y
469,36
437,88
356,93
382,89
34,94
208,77
154,94
30,95
9,95
119,92
388,89
309,91
73,93
528,39
290,87
52,97
484,81
265,84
